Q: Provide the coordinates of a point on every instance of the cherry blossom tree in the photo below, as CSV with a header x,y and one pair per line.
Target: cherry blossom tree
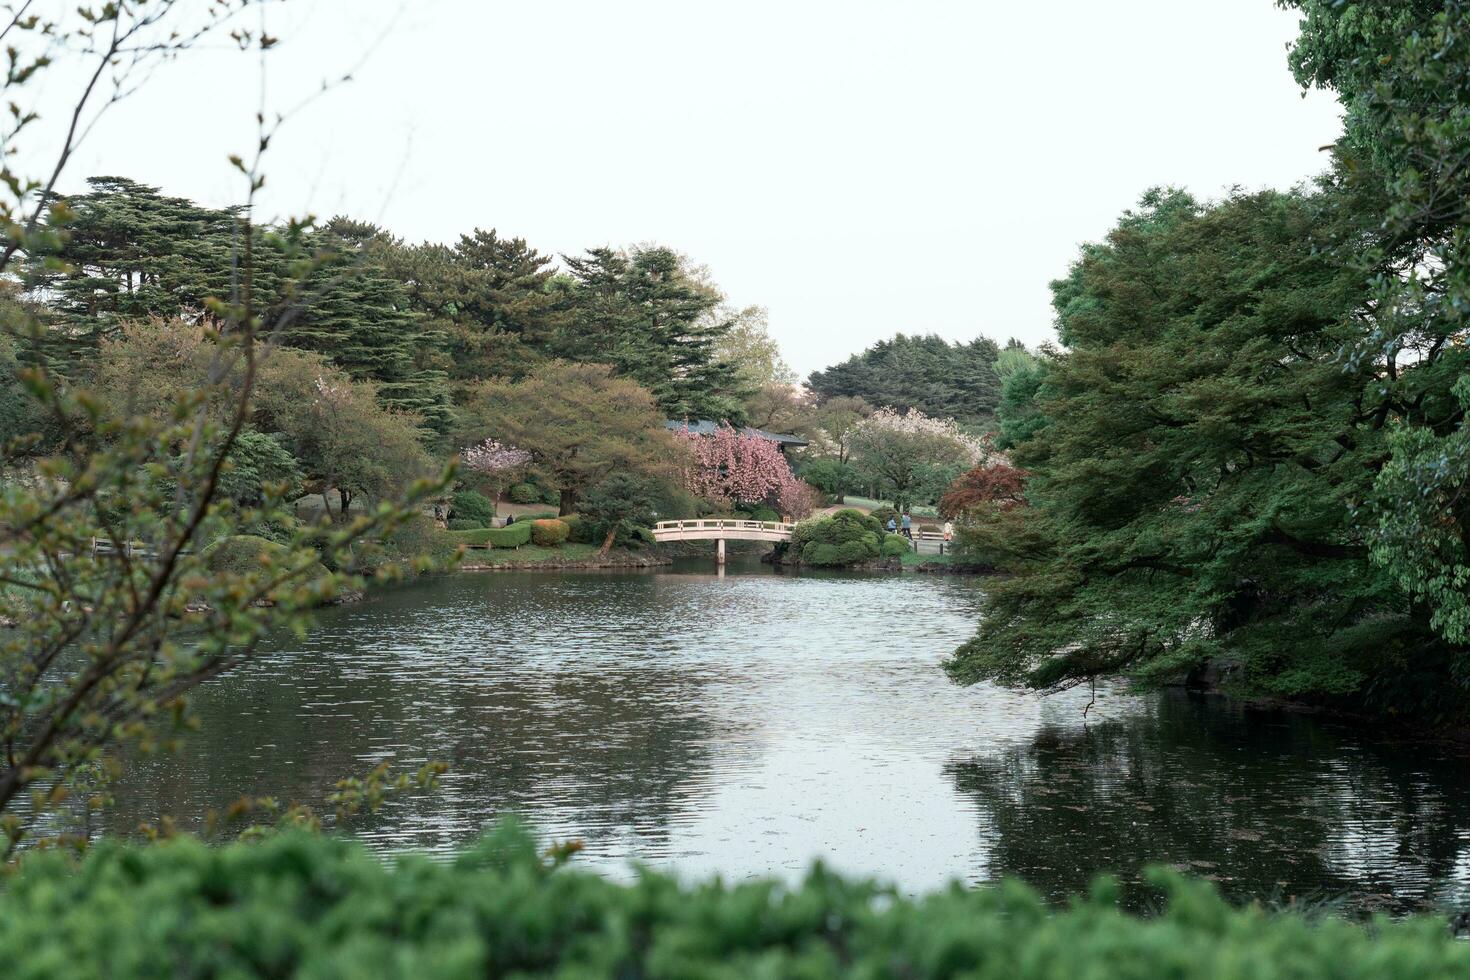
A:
x,y
495,463
894,449
729,465
494,459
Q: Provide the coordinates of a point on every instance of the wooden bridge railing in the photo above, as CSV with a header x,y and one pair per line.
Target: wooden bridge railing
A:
x,y
714,525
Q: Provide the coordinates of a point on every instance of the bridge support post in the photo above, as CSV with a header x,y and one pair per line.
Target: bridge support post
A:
x,y
720,552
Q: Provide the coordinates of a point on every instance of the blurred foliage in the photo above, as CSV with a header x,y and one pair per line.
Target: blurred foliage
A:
x,y
309,906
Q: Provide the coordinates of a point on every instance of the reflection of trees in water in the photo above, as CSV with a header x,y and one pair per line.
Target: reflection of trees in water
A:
x,y
609,751
1267,804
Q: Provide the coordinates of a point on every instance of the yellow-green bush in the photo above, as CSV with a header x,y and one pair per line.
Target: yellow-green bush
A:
x,y
549,533
305,906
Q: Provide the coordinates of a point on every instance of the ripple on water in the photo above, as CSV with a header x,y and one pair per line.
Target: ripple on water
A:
x,y
750,723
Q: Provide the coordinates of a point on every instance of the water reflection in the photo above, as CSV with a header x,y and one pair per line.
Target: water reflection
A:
x,y
1271,805
746,724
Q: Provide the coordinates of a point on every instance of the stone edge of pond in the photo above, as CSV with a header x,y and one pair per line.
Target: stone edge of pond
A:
x,y
554,564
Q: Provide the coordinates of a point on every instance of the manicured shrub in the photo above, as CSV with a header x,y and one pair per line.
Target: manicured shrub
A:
x,y
460,524
468,505
514,536
298,905
882,515
895,546
847,537
761,514
549,533
525,493
242,554
580,531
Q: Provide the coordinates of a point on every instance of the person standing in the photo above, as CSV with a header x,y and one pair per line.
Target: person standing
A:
x,y
948,531
908,526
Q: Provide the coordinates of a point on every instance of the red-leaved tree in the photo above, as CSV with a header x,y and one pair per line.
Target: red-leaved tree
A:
x,y
999,483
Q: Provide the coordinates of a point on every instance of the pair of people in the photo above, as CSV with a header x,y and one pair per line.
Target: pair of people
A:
x,y
907,526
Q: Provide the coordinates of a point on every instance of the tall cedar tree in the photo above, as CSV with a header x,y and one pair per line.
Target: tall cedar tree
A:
x,y
361,318
643,312
126,252
929,373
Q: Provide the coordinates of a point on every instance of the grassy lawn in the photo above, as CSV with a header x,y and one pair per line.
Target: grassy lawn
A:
x,y
867,503
912,559
529,553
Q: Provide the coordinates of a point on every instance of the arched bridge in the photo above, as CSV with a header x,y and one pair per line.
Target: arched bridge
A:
x,y
721,530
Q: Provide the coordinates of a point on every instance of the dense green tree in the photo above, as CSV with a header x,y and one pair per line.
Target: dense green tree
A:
x,y
336,435
1402,72
621,506
1194,491
512,288
650,316
1017,416
939,378
580,422
453,298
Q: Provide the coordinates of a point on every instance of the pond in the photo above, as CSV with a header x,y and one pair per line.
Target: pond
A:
x,y
749,723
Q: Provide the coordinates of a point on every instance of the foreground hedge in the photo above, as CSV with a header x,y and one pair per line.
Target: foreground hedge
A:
x,y
320,907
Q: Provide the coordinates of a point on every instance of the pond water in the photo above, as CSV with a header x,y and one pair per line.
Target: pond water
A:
x,y
749,723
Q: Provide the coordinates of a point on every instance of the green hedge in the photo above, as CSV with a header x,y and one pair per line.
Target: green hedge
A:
x,y
514,536
244,554
319,907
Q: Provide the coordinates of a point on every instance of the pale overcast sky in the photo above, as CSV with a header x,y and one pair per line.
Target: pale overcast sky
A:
x,y
859,168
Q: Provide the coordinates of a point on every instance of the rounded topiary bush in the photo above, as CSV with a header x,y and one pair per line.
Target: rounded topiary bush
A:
x,y
848,537
243,554
468,505
882,515
549,533
524,493
459,524
580,530
895,546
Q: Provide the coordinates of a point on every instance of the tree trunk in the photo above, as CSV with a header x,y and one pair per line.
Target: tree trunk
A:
x,y
607,542
346,497
568,502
